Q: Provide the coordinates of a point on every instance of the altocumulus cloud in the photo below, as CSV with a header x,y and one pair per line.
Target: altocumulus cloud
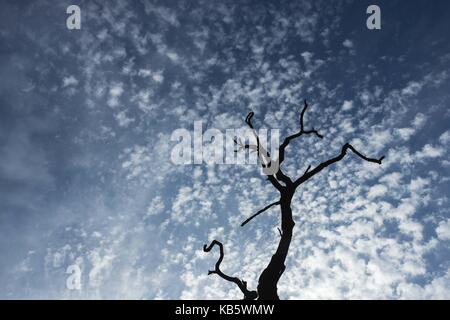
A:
x,y
86,121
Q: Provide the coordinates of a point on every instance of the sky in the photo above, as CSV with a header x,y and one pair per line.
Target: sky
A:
x,y
87,116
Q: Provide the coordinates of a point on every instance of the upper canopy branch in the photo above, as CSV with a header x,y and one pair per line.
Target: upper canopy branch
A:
x,y
263,154
276,175
296,135
309,173
248,295
266,160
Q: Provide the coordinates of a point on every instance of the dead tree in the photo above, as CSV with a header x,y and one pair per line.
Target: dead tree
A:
x,y
268,280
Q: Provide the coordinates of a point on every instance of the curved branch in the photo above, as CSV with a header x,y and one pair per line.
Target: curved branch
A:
x,y
248,295
308,174
259,212
302,131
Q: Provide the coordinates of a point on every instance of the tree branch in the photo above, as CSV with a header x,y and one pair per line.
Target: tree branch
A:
x,y
248,295
259,212
264,156
302,131
308,174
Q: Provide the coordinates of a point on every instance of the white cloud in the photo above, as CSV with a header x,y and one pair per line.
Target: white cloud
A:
x,y
445,138
419,121
347,105
430,151
307,56
156,206
158,76
115,91
378,190
405,133
392,179
166,14
437,288
144,73
69,81
173,56
348,43
418,184
123,119
379,139
365,97
443,230
413,88
416,125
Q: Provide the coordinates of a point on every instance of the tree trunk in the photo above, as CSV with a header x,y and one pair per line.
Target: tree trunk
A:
x,y
267,284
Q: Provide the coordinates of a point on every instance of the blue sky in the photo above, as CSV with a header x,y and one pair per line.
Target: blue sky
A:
x,y
86,118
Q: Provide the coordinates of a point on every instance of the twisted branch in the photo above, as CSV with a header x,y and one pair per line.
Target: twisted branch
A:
x,y
248,295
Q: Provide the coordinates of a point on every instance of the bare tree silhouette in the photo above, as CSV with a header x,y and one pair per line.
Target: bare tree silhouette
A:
x,y
268,280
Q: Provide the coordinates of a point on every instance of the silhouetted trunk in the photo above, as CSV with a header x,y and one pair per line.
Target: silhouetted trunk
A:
x,y
267,284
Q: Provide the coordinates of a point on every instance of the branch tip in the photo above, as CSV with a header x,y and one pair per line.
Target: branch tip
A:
x,y
281,234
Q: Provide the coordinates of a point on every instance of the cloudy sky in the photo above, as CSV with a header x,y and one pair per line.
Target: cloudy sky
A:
x,y
86,118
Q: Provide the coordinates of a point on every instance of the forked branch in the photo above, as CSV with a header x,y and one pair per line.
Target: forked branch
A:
x,y
248,295
302,131
309,173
